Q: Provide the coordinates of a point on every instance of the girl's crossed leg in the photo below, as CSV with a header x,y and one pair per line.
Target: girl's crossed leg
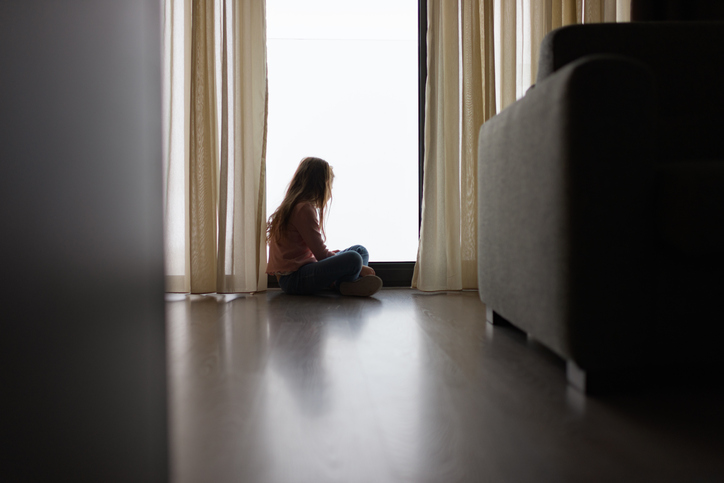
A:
x,y
314,277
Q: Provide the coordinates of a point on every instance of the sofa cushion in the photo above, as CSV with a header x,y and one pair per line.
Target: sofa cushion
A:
x,y
684,58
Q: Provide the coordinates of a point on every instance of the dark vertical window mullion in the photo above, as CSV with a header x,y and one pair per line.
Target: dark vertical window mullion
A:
x,y
422,83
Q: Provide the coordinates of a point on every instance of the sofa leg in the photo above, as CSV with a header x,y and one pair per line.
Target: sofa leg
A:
x,y
489,315
576,376
493,318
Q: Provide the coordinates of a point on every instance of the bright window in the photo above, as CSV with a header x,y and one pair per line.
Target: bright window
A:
x,y
343,86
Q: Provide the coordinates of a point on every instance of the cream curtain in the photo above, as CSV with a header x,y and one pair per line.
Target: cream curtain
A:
x,y
215,106
482,56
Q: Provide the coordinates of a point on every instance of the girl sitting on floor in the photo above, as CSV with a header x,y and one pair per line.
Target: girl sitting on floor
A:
x,y
298,256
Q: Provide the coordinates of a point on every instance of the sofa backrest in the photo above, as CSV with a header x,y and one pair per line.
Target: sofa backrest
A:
x,y
687,60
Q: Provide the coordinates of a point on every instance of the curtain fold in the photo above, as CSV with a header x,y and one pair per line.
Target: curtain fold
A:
x,y
440,229
202,175
482,56
215,105
242,221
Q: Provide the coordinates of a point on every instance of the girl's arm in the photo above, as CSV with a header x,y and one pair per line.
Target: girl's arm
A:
x,y
305,221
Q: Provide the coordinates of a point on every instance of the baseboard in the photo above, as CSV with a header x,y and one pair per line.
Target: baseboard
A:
x,y
394,274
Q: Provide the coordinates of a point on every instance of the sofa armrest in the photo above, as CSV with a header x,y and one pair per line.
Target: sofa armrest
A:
x,y
565,189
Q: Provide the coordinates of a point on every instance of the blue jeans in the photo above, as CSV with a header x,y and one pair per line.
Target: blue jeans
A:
x,y
313,277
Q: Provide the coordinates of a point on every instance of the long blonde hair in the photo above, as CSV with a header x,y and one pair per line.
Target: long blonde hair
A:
x,y
312,183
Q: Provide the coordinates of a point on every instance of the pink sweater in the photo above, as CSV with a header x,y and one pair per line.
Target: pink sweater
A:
x,y
302,244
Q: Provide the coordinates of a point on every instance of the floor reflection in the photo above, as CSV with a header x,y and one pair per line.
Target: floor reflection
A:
x,y
217,351
405,386
315,420
307,347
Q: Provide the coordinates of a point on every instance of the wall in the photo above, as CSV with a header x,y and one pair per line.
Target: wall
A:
x,y
82,335
676,10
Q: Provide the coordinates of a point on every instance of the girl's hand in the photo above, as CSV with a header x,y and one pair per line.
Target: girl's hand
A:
x,y
366,271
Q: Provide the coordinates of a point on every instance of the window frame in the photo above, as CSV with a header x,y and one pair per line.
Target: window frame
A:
x,y
399,274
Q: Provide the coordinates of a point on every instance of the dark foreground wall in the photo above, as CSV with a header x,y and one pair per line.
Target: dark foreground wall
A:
x,y
82,347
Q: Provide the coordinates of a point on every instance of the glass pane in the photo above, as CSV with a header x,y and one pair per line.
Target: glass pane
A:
x,y
343,87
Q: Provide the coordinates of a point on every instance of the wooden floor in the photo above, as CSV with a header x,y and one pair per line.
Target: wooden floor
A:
x,y
408,387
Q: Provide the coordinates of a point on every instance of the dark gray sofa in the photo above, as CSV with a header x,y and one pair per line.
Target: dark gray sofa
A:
x,y
601,200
